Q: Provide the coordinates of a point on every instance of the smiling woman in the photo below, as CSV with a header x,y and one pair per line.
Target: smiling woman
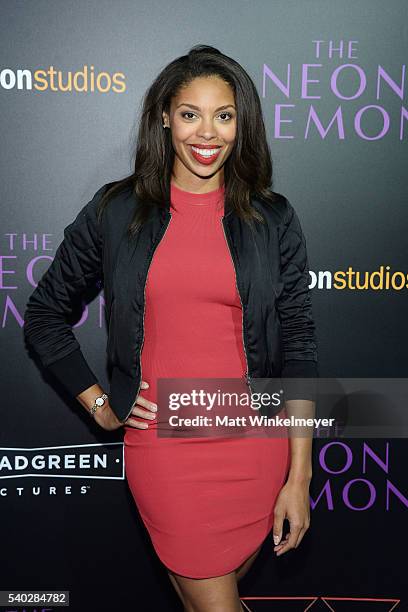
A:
x,y
218,159
203,136
205,275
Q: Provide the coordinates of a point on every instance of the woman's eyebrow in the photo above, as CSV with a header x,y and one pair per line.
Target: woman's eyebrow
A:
x,y
198,108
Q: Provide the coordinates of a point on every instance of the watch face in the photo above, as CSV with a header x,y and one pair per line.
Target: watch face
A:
x,y
99,401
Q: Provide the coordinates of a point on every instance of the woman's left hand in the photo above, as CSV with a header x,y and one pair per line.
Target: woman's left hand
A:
x,y
293,504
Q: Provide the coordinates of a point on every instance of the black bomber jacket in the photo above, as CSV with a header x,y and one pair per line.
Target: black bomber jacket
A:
x,y
272,277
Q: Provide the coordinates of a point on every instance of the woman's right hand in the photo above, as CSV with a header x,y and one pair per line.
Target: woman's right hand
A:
x,y
142,407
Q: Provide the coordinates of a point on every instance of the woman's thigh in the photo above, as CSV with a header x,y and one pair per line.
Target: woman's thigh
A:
x,y
242,569
239,572
218,594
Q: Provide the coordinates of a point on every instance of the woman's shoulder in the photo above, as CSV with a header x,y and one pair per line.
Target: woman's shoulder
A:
x,y
274,205
119,192
112,199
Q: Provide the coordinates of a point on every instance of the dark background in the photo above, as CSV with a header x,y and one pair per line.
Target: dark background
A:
x,y
350,193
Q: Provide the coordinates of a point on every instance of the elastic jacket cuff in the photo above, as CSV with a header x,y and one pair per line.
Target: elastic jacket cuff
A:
x,y
73,372
299,379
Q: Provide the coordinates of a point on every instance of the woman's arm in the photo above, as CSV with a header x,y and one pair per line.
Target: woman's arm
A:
x,y
301,441
298,337
77,265
294,303
299,374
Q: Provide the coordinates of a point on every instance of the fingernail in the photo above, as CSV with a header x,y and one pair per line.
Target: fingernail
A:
x,y
276,539
154,407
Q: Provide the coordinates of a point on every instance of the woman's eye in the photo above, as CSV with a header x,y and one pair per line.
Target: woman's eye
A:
x,y
187,113
228,114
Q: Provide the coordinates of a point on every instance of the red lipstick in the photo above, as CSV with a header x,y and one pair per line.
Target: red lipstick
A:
x,y
205,159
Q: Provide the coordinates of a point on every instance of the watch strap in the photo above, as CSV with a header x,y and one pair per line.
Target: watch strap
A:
x,y
99,401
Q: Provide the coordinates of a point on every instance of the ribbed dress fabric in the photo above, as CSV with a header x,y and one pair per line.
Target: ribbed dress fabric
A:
x,y
207,503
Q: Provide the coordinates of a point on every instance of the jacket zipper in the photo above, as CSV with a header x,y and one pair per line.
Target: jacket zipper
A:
x,y
246,375
144,309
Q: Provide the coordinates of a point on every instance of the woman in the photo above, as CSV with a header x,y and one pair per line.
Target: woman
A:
x,y
218,287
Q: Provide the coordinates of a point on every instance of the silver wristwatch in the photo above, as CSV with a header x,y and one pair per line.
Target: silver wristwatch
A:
x,y
99,401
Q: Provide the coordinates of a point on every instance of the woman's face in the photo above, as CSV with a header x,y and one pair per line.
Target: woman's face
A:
x,y
202,121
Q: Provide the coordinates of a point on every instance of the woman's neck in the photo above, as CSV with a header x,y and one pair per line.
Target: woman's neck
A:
x,y
198,186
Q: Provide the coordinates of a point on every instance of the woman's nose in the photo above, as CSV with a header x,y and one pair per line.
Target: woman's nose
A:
x,y
206,129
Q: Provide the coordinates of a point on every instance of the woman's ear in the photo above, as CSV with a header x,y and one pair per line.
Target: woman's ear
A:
x,y
165,119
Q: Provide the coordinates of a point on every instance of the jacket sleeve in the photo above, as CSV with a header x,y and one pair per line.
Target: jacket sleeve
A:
x,y
76,266
294,303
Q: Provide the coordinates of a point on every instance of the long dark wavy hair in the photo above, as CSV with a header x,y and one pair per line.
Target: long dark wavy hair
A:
x,y
248,169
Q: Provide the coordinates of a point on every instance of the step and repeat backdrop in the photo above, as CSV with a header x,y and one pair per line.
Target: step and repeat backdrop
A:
x,y
333,85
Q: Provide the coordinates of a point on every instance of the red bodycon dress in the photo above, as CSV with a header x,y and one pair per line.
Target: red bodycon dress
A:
x,y
207,503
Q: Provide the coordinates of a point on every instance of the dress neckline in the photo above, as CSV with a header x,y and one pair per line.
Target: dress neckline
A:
x,y
181,196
